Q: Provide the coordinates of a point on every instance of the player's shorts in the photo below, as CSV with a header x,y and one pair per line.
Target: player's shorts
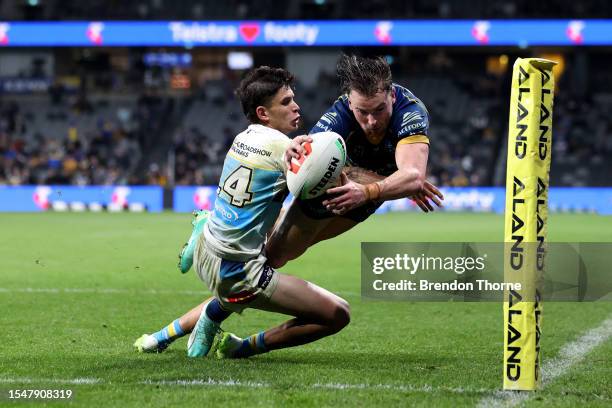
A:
x,y
315,209
236,284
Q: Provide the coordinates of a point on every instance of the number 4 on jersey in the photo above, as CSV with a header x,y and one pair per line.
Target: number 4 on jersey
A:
x,y
237,185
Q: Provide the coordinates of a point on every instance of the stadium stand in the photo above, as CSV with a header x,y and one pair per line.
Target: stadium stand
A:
x,y
129,127
303,9
86,141
110,138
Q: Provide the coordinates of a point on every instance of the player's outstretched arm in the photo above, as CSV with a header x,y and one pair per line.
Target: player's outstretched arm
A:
x,y
407,181
424,200
361,175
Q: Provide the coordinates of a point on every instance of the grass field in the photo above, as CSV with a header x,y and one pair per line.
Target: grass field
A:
x,y
77,289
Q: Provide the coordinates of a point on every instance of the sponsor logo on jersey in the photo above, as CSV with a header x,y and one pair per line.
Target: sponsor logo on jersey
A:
x,y
411,128
226,213
322,126
265,277
244,150
411,117
330,118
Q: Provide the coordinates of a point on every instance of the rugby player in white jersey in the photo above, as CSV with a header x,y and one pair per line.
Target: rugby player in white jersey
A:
x,y
229,253
385,128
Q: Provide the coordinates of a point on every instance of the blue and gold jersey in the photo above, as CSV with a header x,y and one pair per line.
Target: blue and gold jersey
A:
x,y
250,195
409,124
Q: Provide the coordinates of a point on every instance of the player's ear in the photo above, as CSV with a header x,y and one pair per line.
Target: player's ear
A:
x,y
262,114
349,104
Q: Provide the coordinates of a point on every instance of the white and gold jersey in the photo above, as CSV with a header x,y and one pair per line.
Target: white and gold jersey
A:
x,y
250,195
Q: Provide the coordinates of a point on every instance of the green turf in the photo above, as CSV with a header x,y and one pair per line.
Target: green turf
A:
x,y
123,268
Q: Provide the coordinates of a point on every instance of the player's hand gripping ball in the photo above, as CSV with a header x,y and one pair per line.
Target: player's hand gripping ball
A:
x,y
319,167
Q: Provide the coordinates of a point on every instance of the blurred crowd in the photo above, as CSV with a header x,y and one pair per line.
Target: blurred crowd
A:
x,y
51,146
150,137
195,152
128,122
302,9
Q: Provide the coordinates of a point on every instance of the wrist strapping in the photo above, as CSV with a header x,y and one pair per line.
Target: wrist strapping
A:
x,y
372,191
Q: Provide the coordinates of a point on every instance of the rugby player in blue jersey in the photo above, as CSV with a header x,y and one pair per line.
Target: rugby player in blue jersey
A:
x,y
385,128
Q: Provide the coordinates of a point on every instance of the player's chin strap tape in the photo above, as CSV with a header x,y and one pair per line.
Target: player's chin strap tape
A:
x,y
372,191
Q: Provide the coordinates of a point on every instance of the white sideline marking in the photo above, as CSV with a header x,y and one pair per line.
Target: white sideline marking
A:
x,y
27,380
249,384
209,382
398,387
570,354
331,386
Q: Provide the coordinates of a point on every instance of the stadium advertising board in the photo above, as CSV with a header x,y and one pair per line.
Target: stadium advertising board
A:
x,y
73,198
188,198
478,199
307,33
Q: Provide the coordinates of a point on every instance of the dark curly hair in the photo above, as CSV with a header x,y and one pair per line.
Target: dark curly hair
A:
x,y
259,86
367,76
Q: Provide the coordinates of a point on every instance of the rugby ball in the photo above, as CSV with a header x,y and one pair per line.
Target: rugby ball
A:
x,y
319,167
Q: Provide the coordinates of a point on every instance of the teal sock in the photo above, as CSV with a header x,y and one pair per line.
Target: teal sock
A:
x,y
251,346
169,333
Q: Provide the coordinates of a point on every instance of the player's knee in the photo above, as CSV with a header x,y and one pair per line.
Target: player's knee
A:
x,y
341,315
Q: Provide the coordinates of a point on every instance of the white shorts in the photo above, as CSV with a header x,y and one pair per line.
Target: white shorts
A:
x,y
237,285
